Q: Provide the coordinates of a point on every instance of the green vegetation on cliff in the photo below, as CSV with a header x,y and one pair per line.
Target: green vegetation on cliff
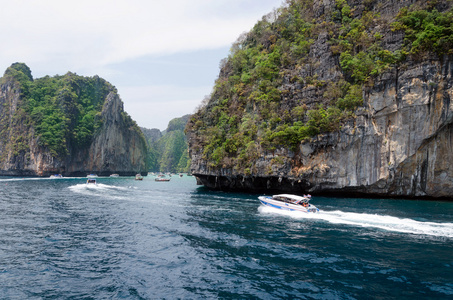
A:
x,y
65,111
273,92
168,150
426,31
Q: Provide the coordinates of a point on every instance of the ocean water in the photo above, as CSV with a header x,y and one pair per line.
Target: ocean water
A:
x,y
127,239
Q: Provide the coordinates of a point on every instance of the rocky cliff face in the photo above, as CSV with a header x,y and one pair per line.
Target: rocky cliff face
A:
x,y
399,143
117,146
16,136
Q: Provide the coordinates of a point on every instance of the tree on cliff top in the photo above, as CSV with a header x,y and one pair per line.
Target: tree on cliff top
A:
x,y
19,67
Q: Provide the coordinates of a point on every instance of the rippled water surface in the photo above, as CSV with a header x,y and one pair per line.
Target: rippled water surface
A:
x,y
132,239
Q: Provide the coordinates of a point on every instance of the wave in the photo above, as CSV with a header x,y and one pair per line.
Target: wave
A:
x,y
38,178
98,186
110,191
384,222
26,179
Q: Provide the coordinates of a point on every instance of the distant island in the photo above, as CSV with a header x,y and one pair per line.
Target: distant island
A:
x,y
70,125
168,150
333,97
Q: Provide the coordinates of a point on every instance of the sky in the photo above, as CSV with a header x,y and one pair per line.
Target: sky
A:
x,y
162,56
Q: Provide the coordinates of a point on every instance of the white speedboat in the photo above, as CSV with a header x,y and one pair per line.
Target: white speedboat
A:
x,y
115,175
289,202
92,176
56,176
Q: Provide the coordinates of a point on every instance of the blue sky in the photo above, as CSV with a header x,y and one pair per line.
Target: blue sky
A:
x,y
162,56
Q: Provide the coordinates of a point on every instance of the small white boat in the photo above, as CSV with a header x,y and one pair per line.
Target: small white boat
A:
x,y
92,176
138,177
289,202
115,175
56,176
91,181
162,178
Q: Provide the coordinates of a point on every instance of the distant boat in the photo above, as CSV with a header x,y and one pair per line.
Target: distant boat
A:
x,y
91,181
138,177
56,176
115,175
92,176
162,178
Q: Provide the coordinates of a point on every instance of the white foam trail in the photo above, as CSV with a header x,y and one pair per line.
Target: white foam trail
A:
x,y
109,191
38,178
98,186
27,179
404,225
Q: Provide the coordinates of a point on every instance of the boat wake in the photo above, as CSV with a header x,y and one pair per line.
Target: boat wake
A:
x,y
26,179
389,223
39,178
109,191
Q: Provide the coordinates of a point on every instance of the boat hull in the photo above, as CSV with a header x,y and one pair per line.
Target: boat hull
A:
x,y
268,201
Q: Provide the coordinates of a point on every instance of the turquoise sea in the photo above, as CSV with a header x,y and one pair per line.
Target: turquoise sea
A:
x,y
128,239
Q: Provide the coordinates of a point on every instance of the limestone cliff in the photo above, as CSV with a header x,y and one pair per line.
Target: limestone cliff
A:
x,y
168,149
67,124
398,140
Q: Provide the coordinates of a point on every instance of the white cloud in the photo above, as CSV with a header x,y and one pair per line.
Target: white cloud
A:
x,y
101,32
155,106
103,37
